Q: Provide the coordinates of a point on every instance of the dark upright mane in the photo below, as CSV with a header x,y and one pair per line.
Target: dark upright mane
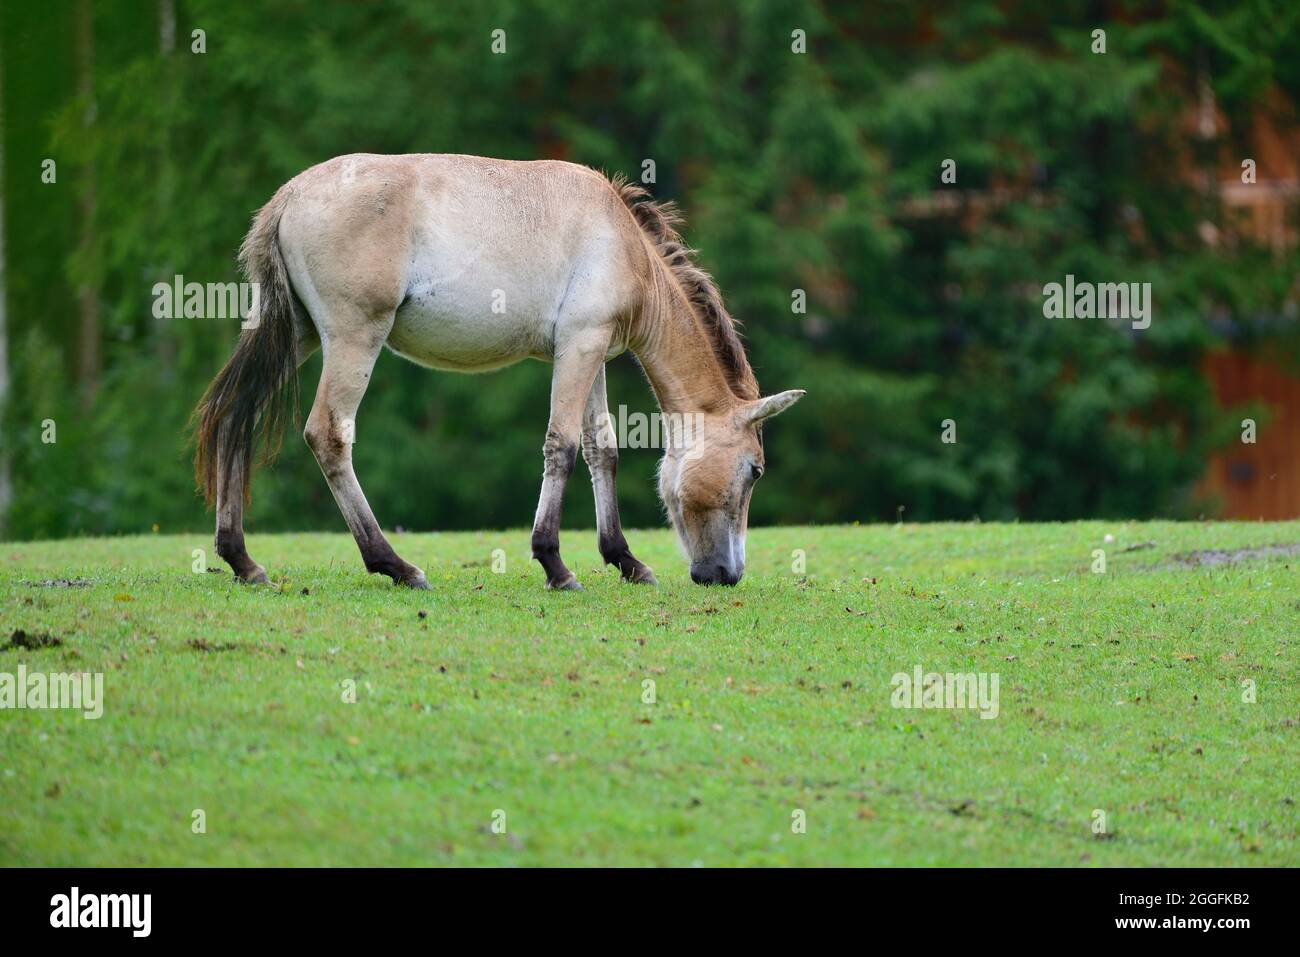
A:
x,y
659,221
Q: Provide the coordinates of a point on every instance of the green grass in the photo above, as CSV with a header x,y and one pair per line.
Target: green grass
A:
x,y
1120,692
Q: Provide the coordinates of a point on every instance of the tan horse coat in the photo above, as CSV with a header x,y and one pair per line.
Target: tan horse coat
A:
x,y
468,264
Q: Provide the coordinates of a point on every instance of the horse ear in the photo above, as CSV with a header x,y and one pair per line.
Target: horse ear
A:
x,y
768,406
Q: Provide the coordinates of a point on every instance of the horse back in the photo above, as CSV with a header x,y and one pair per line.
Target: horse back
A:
x,y
481,262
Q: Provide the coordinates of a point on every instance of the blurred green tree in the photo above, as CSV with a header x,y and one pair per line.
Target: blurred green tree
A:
x,y
814,173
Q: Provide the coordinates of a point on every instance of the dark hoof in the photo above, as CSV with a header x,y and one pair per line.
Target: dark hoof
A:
x,y
642,576
565,584
255,576
416,581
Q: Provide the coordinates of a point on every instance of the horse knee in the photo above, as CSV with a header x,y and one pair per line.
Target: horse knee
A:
x,y
558,455
599,456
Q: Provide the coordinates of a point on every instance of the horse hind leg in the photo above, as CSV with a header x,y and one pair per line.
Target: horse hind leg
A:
x,y
230,518
230,490
349,359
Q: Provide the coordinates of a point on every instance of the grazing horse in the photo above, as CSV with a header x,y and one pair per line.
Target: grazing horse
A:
x,y
470,264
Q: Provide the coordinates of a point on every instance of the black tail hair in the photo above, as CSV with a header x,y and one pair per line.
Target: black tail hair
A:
x,y
257,389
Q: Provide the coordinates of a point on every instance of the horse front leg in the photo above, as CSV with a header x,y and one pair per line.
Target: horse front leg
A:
x,y
576,365
600,451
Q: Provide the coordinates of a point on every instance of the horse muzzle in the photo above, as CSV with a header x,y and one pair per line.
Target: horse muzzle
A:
x,y
711,573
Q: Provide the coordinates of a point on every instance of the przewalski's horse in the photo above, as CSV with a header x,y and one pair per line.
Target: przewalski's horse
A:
x,y
471,264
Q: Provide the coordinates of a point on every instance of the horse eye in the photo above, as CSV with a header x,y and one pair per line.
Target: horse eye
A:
x,y
755,472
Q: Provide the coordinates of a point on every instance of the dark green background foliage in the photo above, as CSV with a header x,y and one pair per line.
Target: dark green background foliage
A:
x,y
793,171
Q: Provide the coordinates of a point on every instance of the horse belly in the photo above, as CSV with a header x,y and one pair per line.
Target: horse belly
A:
x,y
446,326
496,274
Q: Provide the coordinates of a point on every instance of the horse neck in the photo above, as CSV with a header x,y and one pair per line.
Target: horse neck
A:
x,y
677,355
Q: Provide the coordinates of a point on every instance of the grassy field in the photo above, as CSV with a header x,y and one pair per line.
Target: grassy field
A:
x,y
490,700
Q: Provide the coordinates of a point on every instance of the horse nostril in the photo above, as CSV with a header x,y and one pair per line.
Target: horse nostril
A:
x,y
708,574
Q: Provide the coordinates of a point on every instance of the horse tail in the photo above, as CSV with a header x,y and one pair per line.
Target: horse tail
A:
x,y
257,389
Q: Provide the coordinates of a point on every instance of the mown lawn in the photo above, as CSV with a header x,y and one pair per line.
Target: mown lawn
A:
x,y
1120,692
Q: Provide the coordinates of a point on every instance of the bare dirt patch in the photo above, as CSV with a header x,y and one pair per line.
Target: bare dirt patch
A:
x,y
1217,557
